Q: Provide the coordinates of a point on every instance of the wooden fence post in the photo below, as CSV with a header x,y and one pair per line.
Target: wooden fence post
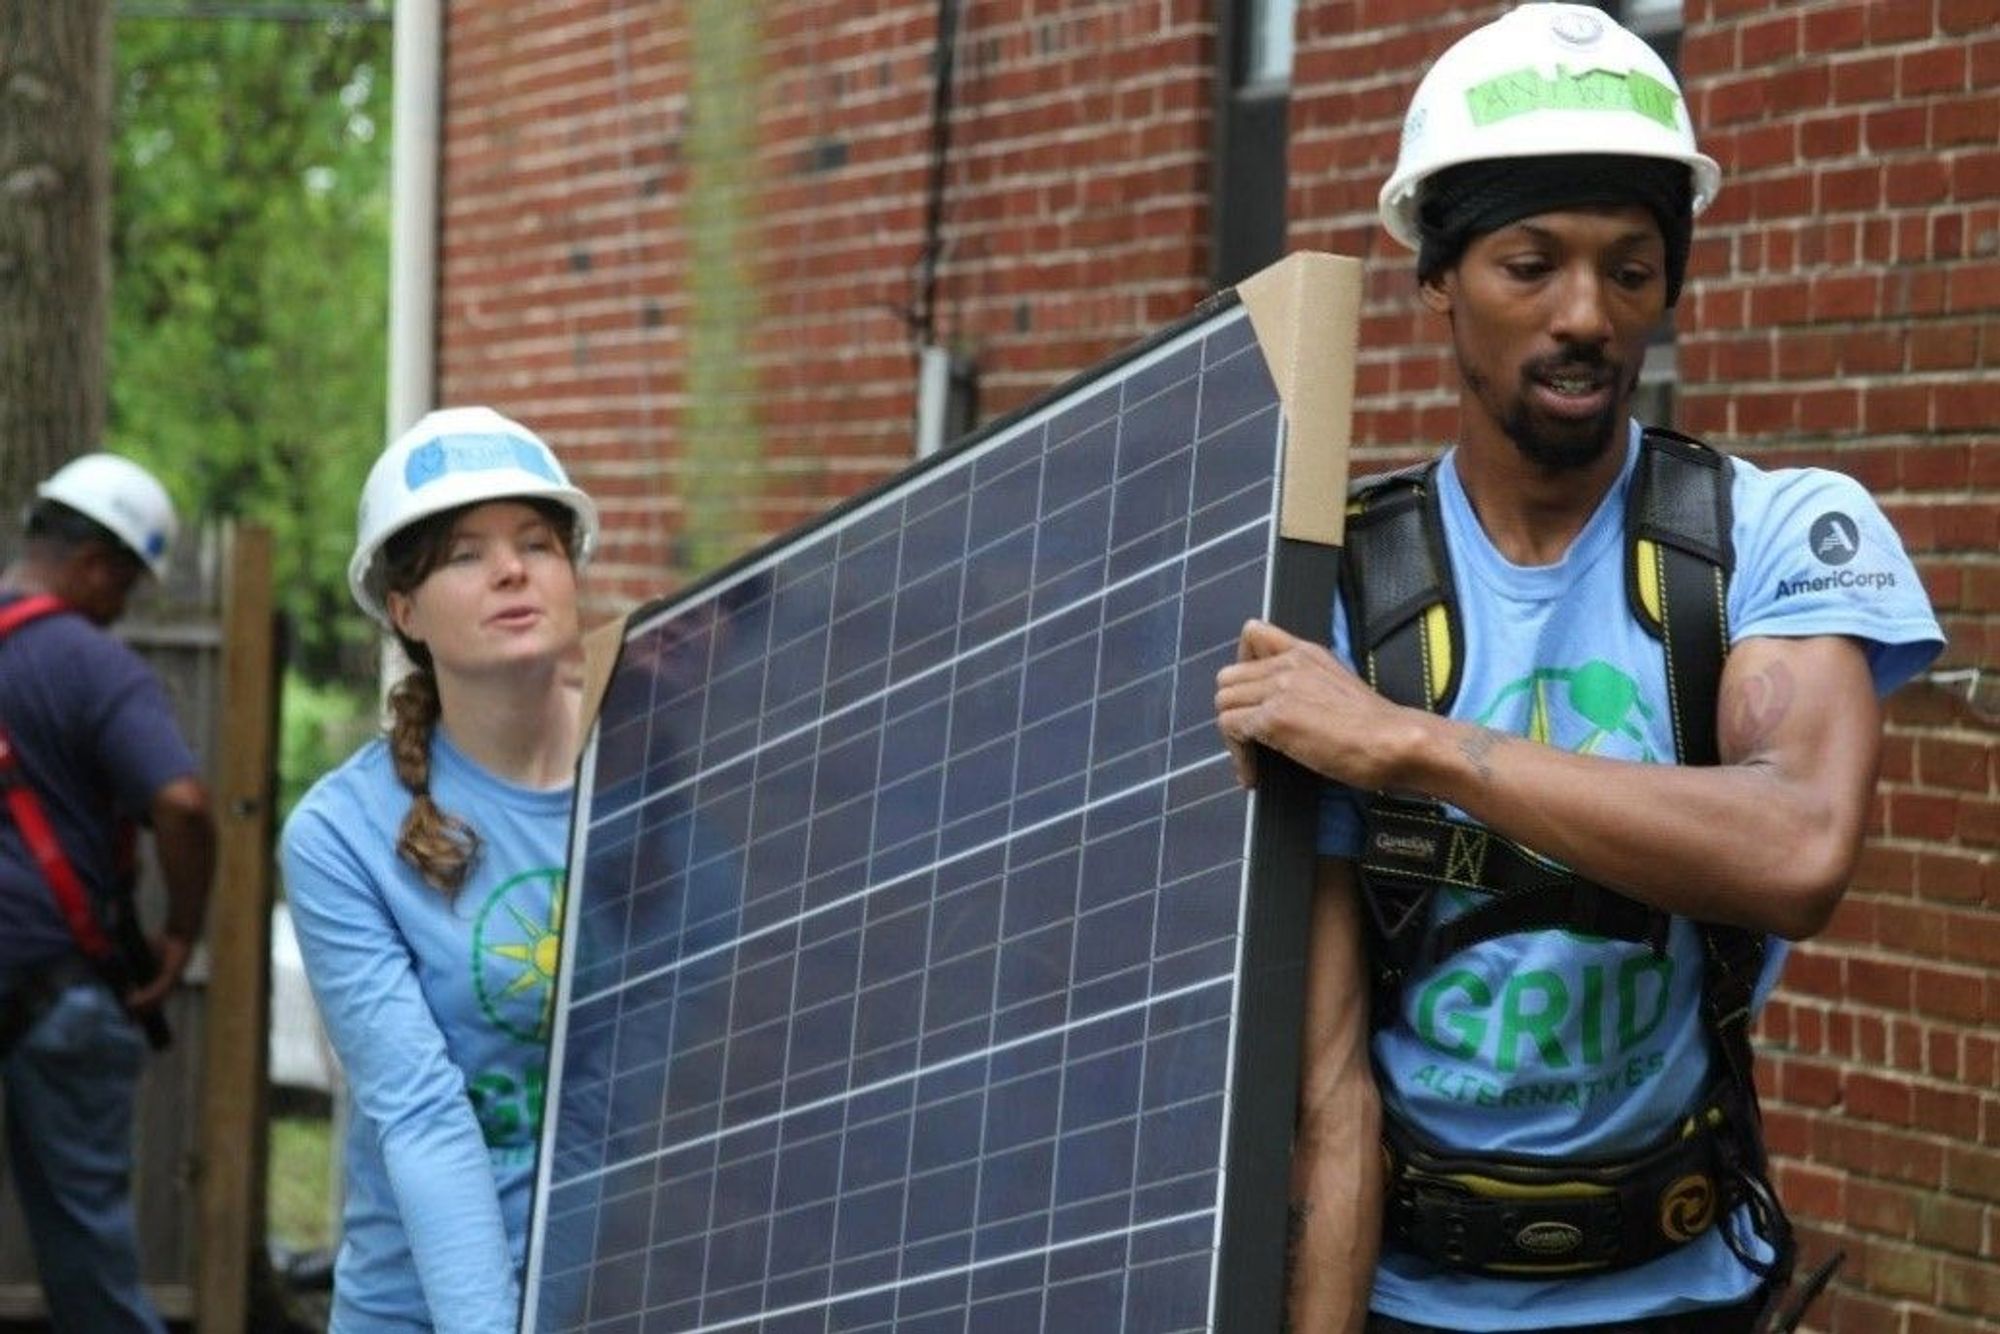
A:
x,y
230,1185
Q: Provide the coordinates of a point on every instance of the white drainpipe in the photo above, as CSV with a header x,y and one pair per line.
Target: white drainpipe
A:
x,y
413,208
413,222
933,397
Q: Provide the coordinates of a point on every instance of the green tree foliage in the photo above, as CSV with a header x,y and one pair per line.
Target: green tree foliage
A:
x,y
322,724
249,287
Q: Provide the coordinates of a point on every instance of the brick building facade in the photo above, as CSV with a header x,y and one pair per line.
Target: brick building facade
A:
x,y
698,243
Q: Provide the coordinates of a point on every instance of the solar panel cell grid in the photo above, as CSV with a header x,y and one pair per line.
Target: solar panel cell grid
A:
x,y
901,986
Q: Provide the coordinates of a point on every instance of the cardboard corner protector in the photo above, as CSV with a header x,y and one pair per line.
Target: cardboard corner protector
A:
x,y
600,655
1306,311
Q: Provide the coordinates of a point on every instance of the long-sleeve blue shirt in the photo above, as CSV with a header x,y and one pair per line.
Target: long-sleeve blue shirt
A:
x,y
438,1006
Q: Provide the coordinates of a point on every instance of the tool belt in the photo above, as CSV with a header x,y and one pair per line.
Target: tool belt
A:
x,y
1512,1217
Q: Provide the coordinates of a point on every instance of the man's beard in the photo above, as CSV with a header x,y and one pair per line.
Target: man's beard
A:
x,y
1563,444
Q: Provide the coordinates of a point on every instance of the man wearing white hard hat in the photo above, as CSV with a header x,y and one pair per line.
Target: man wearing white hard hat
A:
x,y
1599,726
425,873
88,749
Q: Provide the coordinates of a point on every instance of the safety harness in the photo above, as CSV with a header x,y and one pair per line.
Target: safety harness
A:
x,y
1514,1216
116,954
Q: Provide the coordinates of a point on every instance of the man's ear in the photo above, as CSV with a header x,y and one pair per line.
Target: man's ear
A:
x,y
108,567
1436,291
72,574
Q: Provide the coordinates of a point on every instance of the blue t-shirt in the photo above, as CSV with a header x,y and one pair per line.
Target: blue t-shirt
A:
x,y
438,1007
95,736
1566,1047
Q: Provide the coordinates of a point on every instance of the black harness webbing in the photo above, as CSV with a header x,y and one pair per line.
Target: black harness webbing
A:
x,y
1407,639
1677,566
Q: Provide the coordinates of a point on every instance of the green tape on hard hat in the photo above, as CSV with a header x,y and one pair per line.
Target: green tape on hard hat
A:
x,y
1524,90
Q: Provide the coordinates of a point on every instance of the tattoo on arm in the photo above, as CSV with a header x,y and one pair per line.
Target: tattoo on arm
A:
x,y
1758,708
1295,1234
1477,745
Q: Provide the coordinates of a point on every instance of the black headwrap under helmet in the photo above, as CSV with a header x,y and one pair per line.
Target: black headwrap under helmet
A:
x,y
1467,201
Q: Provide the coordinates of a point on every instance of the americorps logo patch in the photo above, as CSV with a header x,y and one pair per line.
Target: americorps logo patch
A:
x,y
1835,538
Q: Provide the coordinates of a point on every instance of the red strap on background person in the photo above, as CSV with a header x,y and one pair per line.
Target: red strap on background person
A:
x,y
40,837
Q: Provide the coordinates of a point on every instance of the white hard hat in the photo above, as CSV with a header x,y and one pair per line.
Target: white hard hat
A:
x,y
454,457
122,496
1542,80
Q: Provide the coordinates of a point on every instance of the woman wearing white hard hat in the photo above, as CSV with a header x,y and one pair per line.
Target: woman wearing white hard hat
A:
x,y
425,874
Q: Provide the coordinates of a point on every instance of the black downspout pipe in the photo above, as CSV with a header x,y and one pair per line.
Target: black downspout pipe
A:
x,y
923,319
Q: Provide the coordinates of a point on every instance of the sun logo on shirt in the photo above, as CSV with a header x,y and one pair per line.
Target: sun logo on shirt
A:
x,y
1579,708
516,945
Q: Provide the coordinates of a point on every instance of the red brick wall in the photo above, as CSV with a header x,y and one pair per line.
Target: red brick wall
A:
x,y
1841,310
1075,221
1357,63
561,244
1848,314
1074,209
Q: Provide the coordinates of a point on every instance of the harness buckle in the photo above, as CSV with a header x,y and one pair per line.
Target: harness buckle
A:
x,y
1462,1228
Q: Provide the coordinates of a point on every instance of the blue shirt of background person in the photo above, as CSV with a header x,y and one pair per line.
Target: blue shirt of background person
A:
x,y
96,751
96,736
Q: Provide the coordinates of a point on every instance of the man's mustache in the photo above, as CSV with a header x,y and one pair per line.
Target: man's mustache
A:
x,y
1581,360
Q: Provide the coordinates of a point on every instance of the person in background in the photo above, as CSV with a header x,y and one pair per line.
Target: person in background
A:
x,y
88,750
425,874
1585,772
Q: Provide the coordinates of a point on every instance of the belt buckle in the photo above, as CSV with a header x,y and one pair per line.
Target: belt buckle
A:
x,y
1564,1234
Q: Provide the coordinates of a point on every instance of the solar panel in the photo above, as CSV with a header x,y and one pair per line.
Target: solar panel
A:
x,y
924,968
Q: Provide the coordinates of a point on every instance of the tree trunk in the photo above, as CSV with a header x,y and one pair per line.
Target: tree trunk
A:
x,y
55,113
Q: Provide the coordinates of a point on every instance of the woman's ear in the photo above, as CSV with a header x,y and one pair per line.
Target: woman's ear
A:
x,y
402,614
